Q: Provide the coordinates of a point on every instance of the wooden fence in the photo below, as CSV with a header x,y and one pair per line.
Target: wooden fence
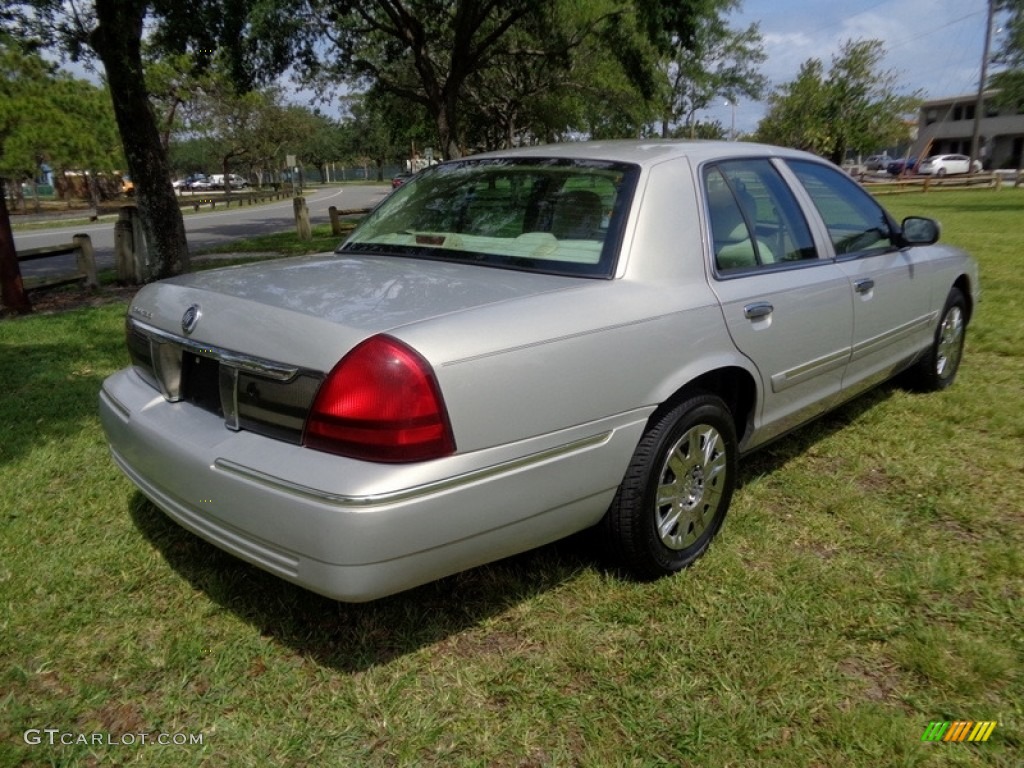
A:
x,y
85,257
929,183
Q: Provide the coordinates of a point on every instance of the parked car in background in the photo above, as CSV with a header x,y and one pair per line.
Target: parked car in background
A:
x,y
947,165
400,179
236,181
878,162
520,345
902,165
198,183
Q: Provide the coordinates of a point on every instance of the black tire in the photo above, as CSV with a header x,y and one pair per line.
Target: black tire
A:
x,y
691,453
937,369
941,172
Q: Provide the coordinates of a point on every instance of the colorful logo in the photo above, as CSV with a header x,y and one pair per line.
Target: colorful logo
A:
x,y
959,730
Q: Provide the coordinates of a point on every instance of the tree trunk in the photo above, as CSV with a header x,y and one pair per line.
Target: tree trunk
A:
x,y
12,290
117,41
449,147
448,119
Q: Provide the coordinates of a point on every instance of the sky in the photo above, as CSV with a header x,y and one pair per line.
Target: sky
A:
x,y
934,46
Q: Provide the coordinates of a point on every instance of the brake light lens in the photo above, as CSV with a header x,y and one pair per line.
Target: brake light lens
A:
x,y
381,402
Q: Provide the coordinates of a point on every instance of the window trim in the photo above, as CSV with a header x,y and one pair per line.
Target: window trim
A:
x,y
611,251
798,193
827,246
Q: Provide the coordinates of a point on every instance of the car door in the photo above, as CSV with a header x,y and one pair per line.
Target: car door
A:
x,y
889,285
786,309
957,164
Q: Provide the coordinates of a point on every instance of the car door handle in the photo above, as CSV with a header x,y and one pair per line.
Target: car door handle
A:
x,y
864,285
757,310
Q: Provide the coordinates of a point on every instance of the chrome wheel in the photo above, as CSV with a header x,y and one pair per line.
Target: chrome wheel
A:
x,y
937,369
690,486
676,490
951,342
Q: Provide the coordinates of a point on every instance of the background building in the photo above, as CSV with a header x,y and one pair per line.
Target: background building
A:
x,y
945,126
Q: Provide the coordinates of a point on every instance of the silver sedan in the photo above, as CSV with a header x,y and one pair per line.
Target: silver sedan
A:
x,y
522,345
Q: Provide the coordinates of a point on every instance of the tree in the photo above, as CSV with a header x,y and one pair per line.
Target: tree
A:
x,y
538,74
380,128
715,61
854,107
321,138
24,84
421,50
561,75
45,116
237,127
112,30
798,113
1010,81
84,138
173,81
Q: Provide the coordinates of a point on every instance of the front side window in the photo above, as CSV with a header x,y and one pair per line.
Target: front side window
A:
x,y
855,222
555,216
755,220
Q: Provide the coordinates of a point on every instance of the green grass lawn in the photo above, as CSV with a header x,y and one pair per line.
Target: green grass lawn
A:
x,y
869,580
287,243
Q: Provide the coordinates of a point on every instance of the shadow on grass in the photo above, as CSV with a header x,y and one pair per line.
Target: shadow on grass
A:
x,y
776,454
353,637
50,389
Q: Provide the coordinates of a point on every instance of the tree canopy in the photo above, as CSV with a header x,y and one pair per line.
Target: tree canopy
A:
x,y
49,118
854,106
715,61
1010,54
490,73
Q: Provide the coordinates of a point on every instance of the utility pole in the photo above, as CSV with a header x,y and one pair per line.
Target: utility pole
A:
x,y
979,104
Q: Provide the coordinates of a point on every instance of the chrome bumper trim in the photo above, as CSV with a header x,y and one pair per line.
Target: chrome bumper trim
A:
x,y
257,365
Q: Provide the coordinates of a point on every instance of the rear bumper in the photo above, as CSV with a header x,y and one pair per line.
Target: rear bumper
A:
x,y
354,530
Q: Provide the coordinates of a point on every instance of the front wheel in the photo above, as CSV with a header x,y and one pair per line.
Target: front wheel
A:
x,y
937,369
677,489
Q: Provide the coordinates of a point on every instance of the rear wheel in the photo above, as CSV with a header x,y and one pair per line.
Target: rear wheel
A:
x,y
938,368
677,489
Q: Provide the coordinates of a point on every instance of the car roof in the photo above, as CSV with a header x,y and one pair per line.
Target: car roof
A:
x,y
648,152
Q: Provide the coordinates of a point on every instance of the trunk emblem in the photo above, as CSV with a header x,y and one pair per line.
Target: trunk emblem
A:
x,y
190,319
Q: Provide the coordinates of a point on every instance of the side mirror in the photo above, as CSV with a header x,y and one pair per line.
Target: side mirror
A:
x,y
918,230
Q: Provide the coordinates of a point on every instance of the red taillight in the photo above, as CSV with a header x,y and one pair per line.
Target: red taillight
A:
x,y
380,403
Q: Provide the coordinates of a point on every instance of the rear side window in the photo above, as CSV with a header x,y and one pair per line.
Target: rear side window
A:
x,y
755,220
855,222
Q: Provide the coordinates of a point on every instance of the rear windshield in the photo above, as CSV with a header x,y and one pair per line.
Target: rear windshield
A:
x,y
554,216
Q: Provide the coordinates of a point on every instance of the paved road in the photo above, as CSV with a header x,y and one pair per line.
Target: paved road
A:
x,y
203,230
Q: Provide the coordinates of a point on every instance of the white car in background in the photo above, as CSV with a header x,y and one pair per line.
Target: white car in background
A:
x,y
947,165
236,181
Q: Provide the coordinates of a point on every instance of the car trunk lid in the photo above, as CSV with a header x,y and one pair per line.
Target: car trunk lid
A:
x,y
310,311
